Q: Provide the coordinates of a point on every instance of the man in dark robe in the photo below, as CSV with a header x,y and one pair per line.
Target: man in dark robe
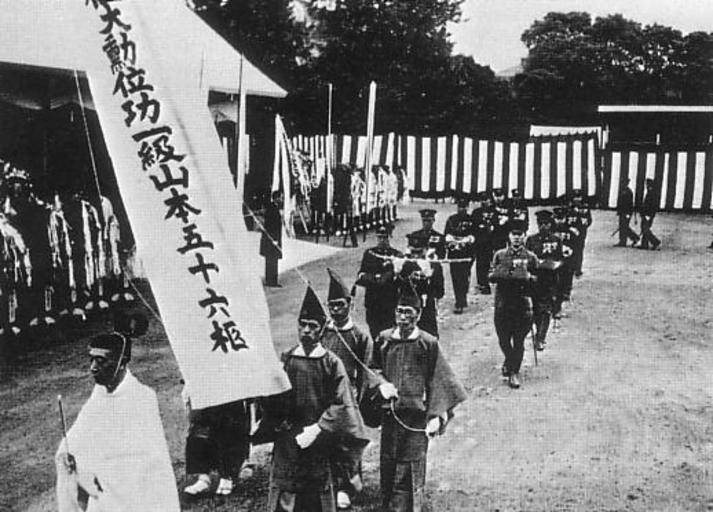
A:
x,y
345,339
511,271
501,218
419,391
548,250
312,424
271,239
377,276
426,277
460,237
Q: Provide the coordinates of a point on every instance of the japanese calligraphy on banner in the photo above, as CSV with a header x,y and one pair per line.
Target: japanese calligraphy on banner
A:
x,y
185,213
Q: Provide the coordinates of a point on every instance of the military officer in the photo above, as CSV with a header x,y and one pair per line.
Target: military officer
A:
x,y
426,277
580,209
483,221
435,241
568,236
377,276
512,272
500,219
548,249
460,239
517,208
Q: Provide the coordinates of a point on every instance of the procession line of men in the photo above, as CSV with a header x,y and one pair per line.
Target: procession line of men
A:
x,y
533,276
317,427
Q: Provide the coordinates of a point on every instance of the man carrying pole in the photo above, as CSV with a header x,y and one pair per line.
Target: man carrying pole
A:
x,y
115,456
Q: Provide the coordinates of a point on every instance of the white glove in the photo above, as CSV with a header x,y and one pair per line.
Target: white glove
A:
x,y
388,391
433,426
398,264
450,238
308,435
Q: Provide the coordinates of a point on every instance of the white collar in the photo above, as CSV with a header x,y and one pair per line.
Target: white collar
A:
x,y
126,382
346,327
318,351
396,334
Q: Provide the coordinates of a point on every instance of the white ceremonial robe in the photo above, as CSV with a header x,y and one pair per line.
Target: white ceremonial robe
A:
x,y
118,441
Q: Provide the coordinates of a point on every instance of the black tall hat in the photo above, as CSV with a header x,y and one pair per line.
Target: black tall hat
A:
x,y
408,296
118,343
337,288
311,308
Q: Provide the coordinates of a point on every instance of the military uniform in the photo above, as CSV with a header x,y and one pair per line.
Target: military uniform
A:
x,y
548,249
517,207
511,270
460,239
426,277
377,276
433,240
581,210
501,218
568,236
483,226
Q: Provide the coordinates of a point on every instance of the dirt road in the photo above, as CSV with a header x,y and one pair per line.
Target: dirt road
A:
x,y
617,416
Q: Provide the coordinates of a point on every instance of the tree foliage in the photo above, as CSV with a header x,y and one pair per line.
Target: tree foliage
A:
x,y
574,64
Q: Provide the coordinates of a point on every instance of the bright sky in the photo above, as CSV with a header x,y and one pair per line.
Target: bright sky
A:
x,y
491,29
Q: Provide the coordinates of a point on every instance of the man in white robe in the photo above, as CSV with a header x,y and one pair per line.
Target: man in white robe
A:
x,y
115,457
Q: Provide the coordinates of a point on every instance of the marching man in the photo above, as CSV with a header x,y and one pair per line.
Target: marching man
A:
x,y
416,398
115,457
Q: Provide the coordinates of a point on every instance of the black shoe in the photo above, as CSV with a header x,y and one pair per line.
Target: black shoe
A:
x,y
504,370
513,381
539,346
656,246
578,273
620,245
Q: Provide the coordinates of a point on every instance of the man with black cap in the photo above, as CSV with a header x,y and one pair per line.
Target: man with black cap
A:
x,y
548,250
500,219
434,241
568,235
312,422
580,209
624,210
271,238
416,401
377,276
115,456
483,220
512,271
648,211
460,239
426,277
517,206
342,337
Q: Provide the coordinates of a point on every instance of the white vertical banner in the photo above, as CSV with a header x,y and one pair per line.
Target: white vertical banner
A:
x,y
369,145
180,200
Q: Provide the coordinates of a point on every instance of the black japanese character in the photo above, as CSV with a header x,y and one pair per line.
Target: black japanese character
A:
x,y
147,154
227,334
214,302
169,179
131,81
194,240
111,18
129,48
179,207
143,107
112,50
145,134
203,268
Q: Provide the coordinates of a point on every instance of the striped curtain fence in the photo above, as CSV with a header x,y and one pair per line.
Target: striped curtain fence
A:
x,y
545,168
685,178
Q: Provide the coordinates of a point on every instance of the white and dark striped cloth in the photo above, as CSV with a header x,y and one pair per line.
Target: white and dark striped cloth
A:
x,y
544,168
685,178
